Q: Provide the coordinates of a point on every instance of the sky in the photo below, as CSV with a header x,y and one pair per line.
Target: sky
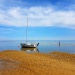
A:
x,y
47,19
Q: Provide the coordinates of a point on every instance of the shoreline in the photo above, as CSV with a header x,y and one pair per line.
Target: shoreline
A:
x,y
21,63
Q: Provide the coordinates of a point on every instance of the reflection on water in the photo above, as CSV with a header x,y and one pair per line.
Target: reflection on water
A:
x,y
30,50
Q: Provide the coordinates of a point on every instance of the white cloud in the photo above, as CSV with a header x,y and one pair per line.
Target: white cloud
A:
x,y
38,16
6,30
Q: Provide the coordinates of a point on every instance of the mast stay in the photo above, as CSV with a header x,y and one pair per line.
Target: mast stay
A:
x,y
26,29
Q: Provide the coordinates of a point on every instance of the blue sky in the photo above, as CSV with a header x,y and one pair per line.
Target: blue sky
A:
x,y
47,19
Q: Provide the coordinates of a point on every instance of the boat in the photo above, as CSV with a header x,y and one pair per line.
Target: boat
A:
x,y
27,44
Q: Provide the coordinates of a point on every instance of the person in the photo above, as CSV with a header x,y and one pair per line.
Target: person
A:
x,y
59,43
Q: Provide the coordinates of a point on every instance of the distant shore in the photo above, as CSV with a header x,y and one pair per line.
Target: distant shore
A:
x,y
14,62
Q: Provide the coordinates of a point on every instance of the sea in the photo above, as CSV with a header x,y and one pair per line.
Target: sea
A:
x,y
45,46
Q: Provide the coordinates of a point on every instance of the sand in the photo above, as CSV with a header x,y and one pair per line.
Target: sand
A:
x,y
22,63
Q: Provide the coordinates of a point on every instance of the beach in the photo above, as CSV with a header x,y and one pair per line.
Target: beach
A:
x,y
13,62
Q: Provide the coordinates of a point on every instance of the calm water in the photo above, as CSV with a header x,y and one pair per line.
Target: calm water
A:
x,y
44,46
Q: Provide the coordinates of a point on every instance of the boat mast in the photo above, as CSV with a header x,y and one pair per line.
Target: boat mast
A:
x,y
26,29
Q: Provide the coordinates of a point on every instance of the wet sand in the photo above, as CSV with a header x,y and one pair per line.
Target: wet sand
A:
x,y
21,63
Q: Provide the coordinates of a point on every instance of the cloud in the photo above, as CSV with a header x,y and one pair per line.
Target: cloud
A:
x,y
2,38
6,30
37,15
17,16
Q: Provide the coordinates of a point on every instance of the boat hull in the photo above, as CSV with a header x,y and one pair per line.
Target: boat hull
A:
x,y
29,45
